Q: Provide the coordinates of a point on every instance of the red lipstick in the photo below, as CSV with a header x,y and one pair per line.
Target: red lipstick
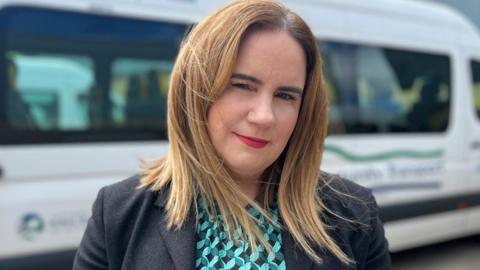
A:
x,y
252,142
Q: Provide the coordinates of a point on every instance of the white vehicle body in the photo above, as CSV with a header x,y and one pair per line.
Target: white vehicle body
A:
x,y
427,184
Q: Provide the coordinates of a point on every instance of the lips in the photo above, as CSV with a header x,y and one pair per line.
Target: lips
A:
x,y
251,141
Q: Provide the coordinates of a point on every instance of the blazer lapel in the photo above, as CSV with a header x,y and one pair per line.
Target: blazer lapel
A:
x,y
181,242
295,258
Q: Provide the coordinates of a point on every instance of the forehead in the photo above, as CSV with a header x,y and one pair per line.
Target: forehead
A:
x,y
268,53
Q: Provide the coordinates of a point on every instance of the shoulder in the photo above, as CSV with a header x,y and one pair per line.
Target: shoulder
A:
x,y
351,215
125,200
125,192
120,213
349,209
332,182
127,209
345,197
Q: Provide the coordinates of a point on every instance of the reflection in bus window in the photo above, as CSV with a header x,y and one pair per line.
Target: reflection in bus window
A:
x,y
48,92
476,85
139,92
376,90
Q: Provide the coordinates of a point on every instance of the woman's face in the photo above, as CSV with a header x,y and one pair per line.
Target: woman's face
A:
x,y
251,123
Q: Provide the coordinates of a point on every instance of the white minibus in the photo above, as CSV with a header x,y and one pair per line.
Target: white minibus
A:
x,y
83,88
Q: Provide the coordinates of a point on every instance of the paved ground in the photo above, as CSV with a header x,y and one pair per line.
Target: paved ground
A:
x,y
463,254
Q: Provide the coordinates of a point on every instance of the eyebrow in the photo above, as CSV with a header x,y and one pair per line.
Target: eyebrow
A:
x,y
258,81
246,77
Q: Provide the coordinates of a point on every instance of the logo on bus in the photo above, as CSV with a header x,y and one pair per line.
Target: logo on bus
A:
x,y
31,226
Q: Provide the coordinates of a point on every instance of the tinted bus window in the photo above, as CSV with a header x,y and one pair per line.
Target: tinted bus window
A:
x,y
139,92
73,77
476,85
378,90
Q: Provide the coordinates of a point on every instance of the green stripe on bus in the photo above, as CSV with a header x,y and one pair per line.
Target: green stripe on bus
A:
x,y
383,156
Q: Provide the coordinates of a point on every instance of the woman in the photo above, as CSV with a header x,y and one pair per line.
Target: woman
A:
x,y
240,187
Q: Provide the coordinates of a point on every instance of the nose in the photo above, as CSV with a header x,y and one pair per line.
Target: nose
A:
x,y
262,113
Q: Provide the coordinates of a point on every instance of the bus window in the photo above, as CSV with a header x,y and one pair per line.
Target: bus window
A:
x,y
48,92
476,85
377,90
139,92
83,77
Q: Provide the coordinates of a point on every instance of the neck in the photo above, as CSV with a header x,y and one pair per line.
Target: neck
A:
x,y
250,186
252,190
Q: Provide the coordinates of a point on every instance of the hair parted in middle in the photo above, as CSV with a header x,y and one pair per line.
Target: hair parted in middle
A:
x,y
192,169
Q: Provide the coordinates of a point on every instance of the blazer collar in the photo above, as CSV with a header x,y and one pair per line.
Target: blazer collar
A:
x,y
181,242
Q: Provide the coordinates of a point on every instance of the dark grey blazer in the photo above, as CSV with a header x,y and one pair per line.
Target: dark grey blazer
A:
x,y
127,231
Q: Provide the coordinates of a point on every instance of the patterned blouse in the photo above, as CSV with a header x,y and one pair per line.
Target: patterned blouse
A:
x,y
216,251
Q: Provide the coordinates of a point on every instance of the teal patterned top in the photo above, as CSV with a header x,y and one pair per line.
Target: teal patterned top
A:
x,y
216,251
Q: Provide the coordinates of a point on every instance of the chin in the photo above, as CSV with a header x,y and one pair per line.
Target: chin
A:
x,y
246,171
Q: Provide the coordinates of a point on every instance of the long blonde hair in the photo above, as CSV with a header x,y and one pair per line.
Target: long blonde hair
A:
x,y
192,168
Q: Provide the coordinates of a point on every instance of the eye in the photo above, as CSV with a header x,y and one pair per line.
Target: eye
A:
x,y
243,86
285,96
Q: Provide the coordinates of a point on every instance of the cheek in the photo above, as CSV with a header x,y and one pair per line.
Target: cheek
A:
x,y
218,122
287,120
226,112
288,127
213,122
